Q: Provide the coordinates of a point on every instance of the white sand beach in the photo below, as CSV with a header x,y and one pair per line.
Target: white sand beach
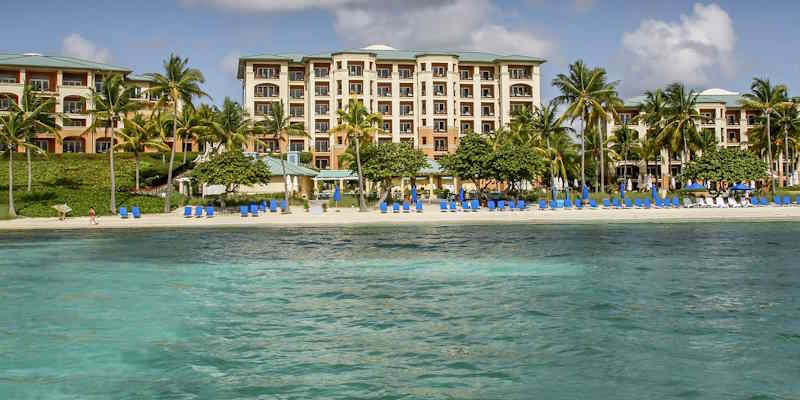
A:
x,y
432,215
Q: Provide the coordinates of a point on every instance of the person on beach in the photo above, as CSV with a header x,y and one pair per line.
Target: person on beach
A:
x,y
92,220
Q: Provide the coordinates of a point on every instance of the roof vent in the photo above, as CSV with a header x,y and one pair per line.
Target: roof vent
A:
x,y
378,47
32,54
718,92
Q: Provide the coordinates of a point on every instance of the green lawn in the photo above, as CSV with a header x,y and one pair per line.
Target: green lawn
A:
x,y
81,181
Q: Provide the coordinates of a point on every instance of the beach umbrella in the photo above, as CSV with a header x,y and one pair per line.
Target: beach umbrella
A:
x,y
654,190
337,196
585,192
62,208
575,182
672,183
622,189
630,185
461,195
647,182
414,194
740,187
695,186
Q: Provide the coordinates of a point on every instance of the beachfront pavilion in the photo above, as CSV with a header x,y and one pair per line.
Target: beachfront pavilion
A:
x,y
300,180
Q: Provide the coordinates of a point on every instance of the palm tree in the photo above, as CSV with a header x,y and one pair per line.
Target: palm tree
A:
x,y
31,101
544,126
139,133
625,143
705,141
14,133
357,121
653,114
610,102
765,98
179,83
277,123
228,128
681,116
584,91
787,120
599,152
111,104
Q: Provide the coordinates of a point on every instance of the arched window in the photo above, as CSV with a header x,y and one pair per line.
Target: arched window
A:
x,y
267,90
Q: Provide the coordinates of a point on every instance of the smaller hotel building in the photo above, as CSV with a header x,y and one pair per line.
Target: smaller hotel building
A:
x,y
721,112
69,81
427,98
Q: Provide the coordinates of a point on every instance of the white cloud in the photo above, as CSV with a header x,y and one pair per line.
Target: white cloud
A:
x,y
691,50
410,24
76,46
230,63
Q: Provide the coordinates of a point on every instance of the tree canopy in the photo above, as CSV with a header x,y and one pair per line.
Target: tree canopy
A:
x,y
472,159
231,169
382,162
726,165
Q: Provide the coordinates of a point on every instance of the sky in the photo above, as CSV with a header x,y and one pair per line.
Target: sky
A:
x,y
642,44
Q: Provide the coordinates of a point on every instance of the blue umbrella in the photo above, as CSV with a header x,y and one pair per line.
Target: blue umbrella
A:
x,y
740,187
337,197
655,191
461,195
585,192
622,189
695,186
566,191
414,194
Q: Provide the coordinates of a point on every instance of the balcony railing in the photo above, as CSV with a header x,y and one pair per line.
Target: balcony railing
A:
x,y
296,77
406,94
384,93
384,74
321,93
406,112
440,147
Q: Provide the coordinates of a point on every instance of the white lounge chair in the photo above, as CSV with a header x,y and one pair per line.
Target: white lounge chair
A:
x,y
732,203
709,202
745,203
687,203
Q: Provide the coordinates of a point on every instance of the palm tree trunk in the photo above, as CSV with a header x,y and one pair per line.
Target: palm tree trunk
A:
x,y
167,207
583,151
113,200
285,183
552,167
769,152
136,155
602,161
785,152
11,212
184,151
362,207
30,169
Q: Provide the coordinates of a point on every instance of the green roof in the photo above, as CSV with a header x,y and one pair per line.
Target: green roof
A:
x,y
391,55
729,100
135,77
274,165
60,62
336,174
433,168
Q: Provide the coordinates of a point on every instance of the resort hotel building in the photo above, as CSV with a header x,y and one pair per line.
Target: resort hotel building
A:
x,y
69,81
721,112
427,98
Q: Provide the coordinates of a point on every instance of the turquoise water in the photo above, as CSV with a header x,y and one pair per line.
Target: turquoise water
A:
x,y
646,311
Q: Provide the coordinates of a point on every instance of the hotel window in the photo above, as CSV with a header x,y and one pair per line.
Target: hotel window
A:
x,y
321,126
384,108
321,163
296,93
296,111
296,145
102,146
405,109
439,89
519,73
321,145
355,88
40,83
72,146
466,92
98,83
440,125
338,65
486,111
72,80
266,72
321,90
387,126
438,71
465,127
439,107
424,140
73,106
8,78
424,108
487,127
520,91
486,92
624,118
262,108
355,70
466,110
732,120
74,122
405,126
384,91
321,108
5,103
384,72
339,140
464,73
751,119
486,75
320,72
136,93
267,91
405,91
439,144
297,76
422,67
404,73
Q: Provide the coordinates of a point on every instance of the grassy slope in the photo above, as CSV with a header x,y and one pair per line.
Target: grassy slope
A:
x,y
81,181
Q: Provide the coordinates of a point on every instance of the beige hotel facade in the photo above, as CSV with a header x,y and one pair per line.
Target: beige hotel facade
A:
x,y
427,98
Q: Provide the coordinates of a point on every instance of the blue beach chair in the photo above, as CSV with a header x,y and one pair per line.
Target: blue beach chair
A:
x,y
638,203
382,206
787,201
273,205
567,204
123,212
797,201
776,200
593,204
490,205
578,205
198,211
453,206
501,205
465,206
553,205
243,210
511,205
136,212
647,203
521,206
253,209
666,203
395,207
628,202
676,203
209,212
443,205
187,212
419,206
263,206
606,204
615,203
657,203
754,202
763,201
283,205
476,205
406,207
542,204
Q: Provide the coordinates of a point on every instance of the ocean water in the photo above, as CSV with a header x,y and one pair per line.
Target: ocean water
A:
x,y
641,311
